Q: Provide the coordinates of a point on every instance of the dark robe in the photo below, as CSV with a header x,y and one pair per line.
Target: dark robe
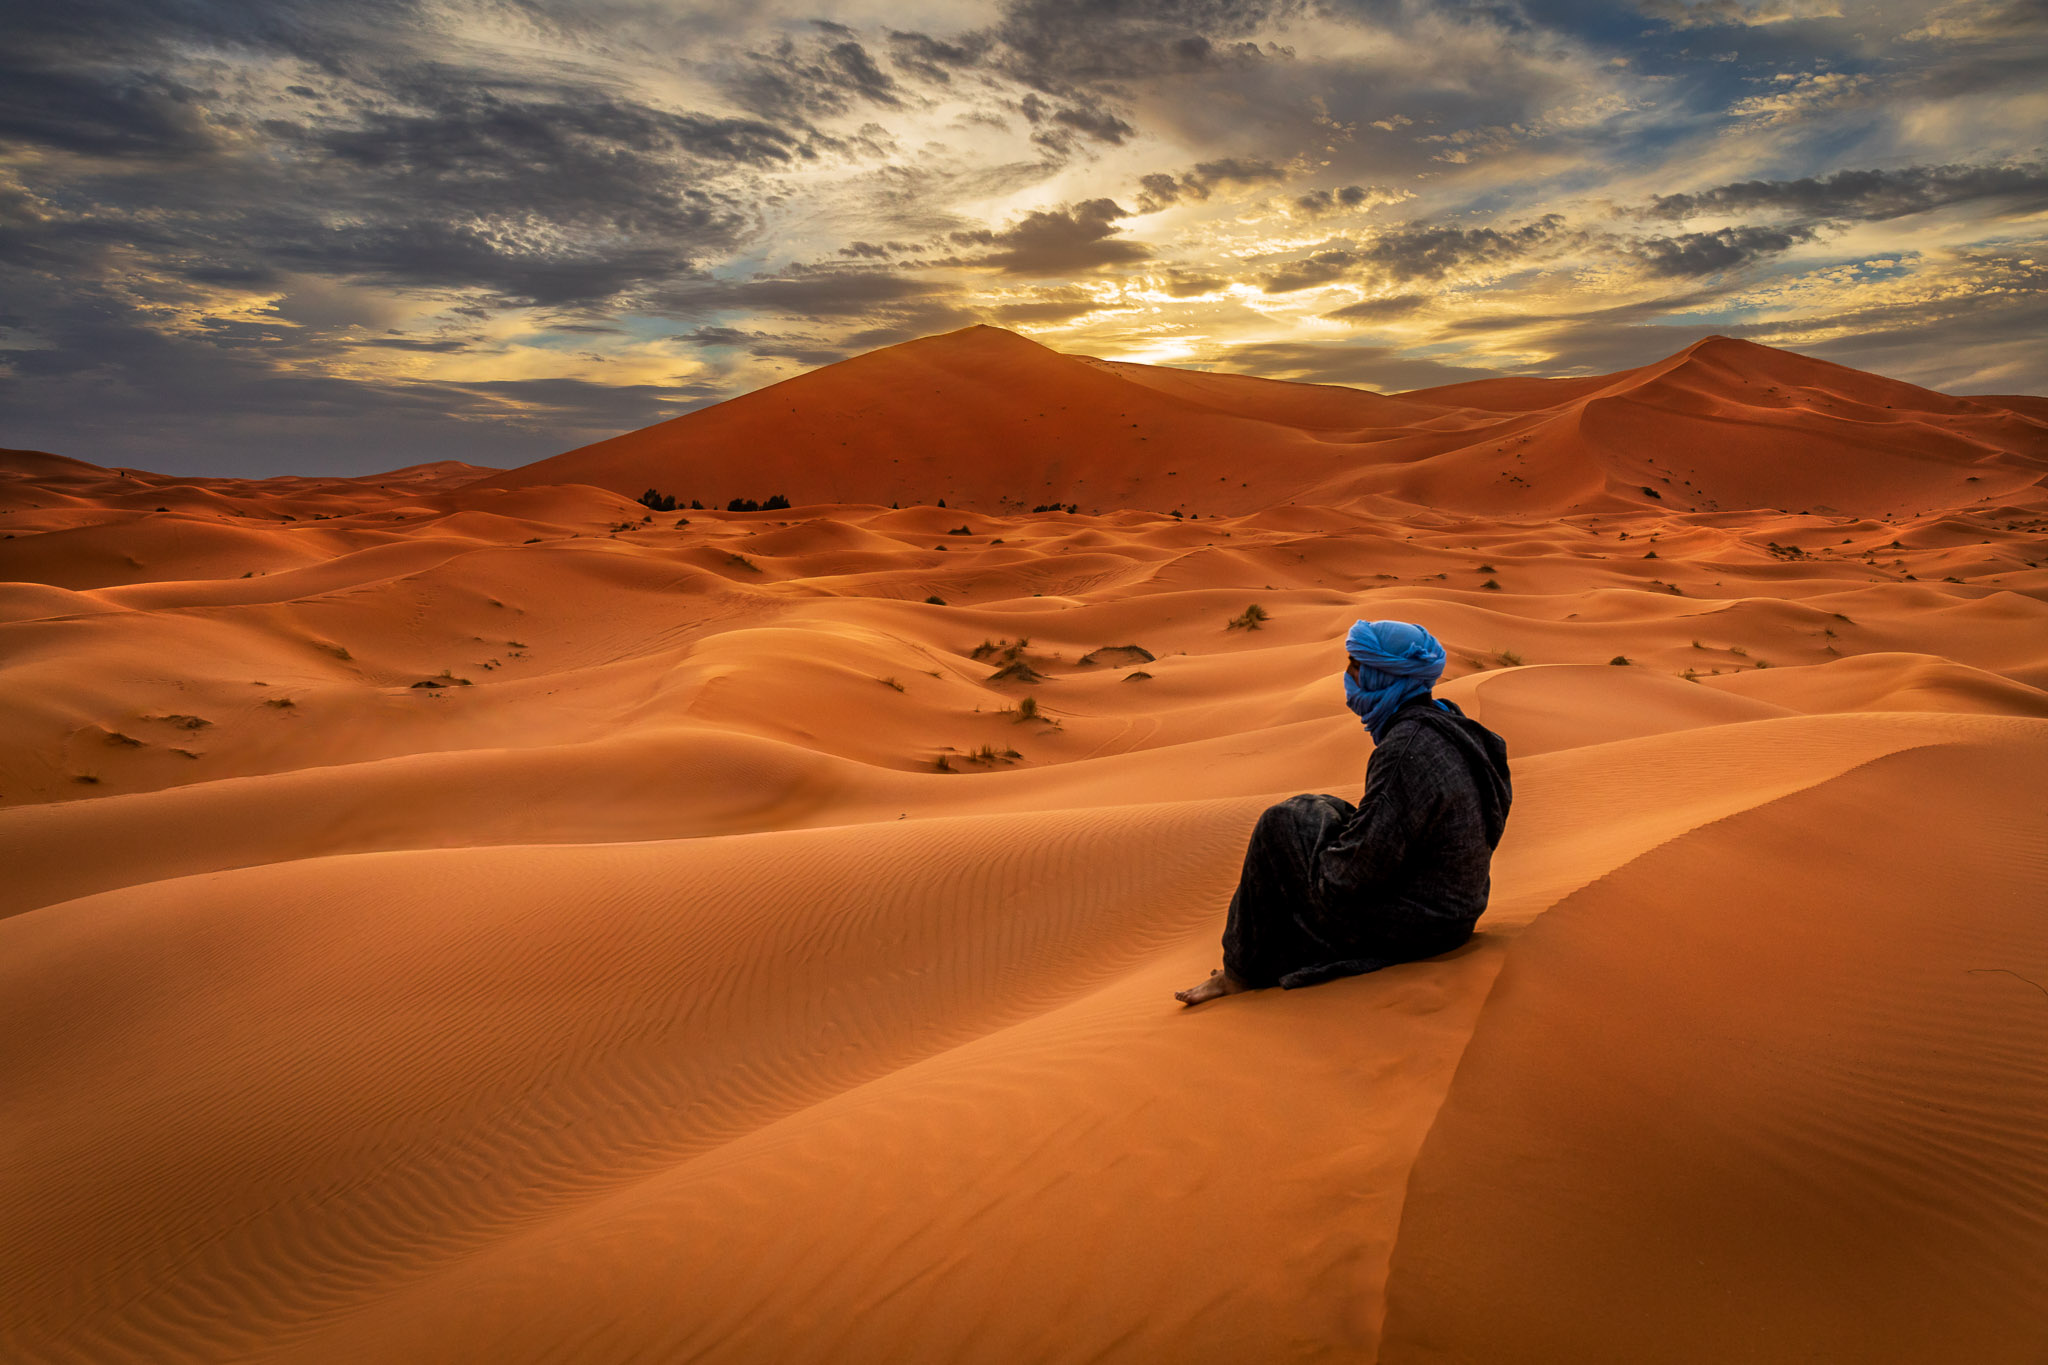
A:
x,y
1330,889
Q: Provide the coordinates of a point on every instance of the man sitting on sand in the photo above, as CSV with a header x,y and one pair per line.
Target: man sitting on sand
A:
x,y
1330,889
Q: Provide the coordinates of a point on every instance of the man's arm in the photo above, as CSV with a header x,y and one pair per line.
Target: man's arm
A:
x,y
1373,846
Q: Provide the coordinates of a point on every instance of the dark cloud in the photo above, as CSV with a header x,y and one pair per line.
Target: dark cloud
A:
x,y
814,293
1870,196
1072,240
1710,253
1057,45
1320,267
1188,284
1057,126
1046,307
1380,309
793,80
414,344
1375,367
1422,251
1160,189
1321,201
931,58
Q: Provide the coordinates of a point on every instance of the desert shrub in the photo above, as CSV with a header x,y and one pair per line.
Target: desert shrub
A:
x,y
935,601
743,562
1027,709
1116,654
743,505
775,503
942,764
1510,658
281,703
1016,671
658,502
1620,660
1490,585
960,531
890,682
1251,618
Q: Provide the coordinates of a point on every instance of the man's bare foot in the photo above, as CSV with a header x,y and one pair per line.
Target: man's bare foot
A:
x,y
1220,982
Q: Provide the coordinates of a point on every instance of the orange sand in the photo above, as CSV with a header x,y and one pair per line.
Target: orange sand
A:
x,y
644,990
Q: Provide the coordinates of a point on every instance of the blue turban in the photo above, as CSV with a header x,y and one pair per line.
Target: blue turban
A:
x,y
1397,663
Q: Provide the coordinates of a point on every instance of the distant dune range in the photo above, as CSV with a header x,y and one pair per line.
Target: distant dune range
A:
x,y
462,914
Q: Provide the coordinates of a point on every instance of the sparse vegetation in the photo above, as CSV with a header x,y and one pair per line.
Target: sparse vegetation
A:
x,y
1690,675
1491,585
942,764
743,562
1016,671
1028,710
1620,660
890,682
1485,568
1509,658
281,703
1252,617
961,531
773,504
935,601
121,741
1003,650
988,755
90,779
658,502
186,722
1738,651
1051,507
1117,655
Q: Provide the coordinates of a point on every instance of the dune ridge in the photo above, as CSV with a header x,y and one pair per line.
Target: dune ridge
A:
x,y
465,914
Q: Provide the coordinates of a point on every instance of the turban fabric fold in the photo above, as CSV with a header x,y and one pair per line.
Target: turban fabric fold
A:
x,y
1397,663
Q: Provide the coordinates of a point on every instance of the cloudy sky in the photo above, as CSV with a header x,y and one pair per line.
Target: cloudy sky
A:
x,y
267,236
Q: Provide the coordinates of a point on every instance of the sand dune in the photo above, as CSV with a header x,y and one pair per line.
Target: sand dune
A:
x,y
464,914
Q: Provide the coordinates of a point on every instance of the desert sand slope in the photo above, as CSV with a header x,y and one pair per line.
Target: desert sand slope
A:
x,y
992,422
983,419
1807,1111
453,918
502,1102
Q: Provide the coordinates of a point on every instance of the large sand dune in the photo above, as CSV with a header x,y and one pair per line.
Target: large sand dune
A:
x,y
461,915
